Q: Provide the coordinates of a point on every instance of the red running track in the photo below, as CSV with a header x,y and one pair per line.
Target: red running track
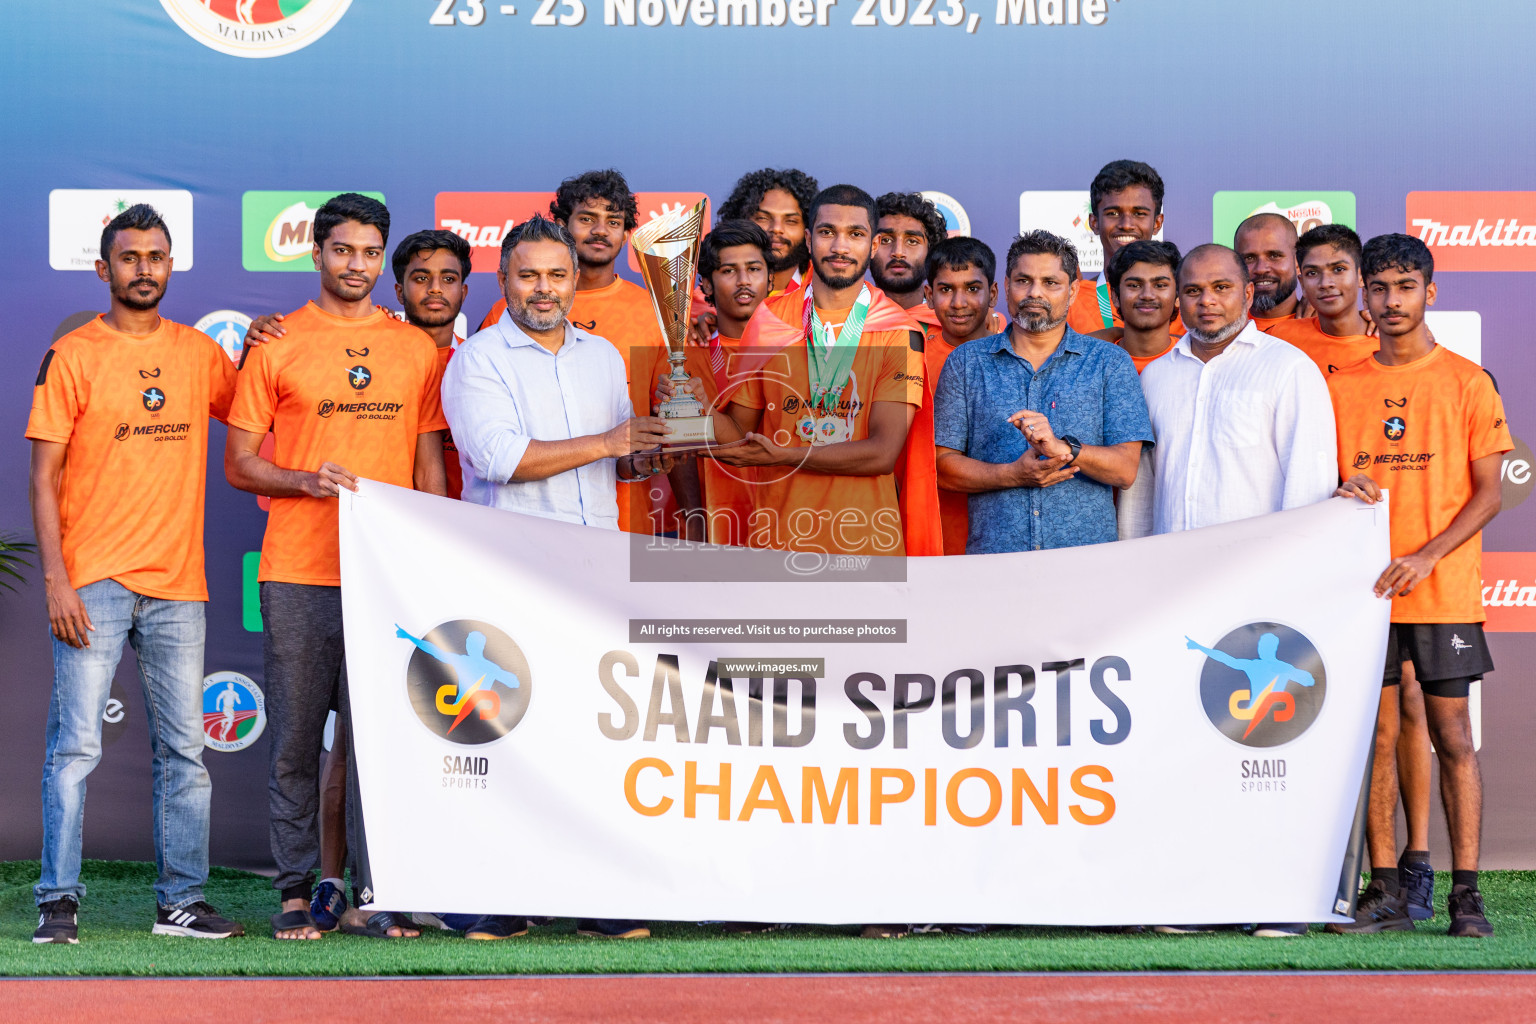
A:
x,y
844,999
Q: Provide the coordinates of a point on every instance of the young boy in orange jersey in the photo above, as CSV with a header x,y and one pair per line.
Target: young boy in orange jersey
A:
x,y
1428,426
1338,335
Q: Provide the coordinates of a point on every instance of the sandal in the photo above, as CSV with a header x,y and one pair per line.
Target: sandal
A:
x,y
378,925
292,920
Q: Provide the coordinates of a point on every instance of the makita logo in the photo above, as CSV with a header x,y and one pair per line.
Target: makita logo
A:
x,y
161,428
474,234
1510,594
369,406
1475,230
1433,233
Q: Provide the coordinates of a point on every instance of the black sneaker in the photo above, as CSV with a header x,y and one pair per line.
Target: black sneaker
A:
x,y
604,928
195,921
1419,887
497,926
58,921
1465,905
1377,911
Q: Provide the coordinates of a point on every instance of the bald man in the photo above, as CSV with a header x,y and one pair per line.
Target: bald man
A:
x,y
1267,244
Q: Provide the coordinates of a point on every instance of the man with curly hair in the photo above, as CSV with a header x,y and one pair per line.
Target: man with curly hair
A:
x,y
778,201
908,226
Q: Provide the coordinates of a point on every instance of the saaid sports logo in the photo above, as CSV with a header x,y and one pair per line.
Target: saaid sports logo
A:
x,y
1262,684
467,681
234,712
256,28
154,399
1394,427
359,377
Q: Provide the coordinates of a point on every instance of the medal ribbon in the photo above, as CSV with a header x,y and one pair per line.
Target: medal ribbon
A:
x,y
829,359
1101,292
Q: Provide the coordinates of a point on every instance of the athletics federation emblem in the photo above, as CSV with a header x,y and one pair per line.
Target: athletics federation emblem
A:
x,y
1458,644
467,681
1262,684
234,712
255,28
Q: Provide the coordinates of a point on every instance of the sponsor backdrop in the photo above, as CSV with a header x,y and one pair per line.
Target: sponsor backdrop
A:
x,y
237,119
1183,734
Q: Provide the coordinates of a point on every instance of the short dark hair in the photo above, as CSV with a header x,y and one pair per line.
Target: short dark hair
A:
x,y
1399,251
843,195
138,217
429,241
536,229
959,253
354,207
726,234
608,186
1042,243
1231,253
1159,254
750,188
1336,235
912,204
1119,175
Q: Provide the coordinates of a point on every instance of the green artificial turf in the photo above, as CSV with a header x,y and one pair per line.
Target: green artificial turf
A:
x,y
119,909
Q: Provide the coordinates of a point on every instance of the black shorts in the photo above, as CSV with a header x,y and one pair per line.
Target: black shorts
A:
x,y
1446,656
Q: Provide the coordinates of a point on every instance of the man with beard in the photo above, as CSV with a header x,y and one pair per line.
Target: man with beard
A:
x,y
1125,203
826,428
119,431
1259,439
1429,425
961,293
1044,475
376,383
1339,336
533,443
907,228
778,201
1267,244
1243,424
1141,281
600,212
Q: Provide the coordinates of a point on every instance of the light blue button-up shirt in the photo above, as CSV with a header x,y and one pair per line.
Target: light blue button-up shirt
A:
x,y
503,390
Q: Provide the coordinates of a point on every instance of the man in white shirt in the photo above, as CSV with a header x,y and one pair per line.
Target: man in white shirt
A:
x,y
539,408
1243,421
541,414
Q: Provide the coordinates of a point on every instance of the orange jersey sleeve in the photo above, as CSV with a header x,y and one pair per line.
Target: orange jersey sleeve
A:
x,y
1330,353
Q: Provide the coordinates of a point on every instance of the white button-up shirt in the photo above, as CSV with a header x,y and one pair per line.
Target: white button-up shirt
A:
x,y
503,390
1248,433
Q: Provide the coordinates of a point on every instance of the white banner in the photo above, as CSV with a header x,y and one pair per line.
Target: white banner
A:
x,y
1164,730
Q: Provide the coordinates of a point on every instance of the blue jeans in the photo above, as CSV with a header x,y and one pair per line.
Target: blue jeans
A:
x,y
168,637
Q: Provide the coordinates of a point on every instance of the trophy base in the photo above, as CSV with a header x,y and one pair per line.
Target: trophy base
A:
x,y
690,432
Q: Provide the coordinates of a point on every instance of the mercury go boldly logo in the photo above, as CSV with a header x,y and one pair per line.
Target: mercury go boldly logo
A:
x,y
234,711
255,28
468,681
1262,685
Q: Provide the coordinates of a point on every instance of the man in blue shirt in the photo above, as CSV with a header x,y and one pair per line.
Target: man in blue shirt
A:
x,y
1039,424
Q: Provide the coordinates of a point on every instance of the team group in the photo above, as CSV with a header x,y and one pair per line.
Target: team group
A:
x,y
864,398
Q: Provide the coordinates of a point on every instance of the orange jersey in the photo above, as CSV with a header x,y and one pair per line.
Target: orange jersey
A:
x,y
1415,429
621,313
451,464
1265,323
1092,310
355,391
1142,362
1330,353
954,511
834,514
728,490
132,411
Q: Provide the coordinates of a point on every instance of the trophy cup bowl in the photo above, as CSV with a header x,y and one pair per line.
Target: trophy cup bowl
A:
x,y
667,250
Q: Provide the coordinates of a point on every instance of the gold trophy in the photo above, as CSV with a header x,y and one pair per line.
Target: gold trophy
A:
x,y
667,250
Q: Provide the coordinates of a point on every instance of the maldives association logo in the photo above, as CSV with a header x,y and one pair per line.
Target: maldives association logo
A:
x,y
234,711
1262,684
255,28
467,681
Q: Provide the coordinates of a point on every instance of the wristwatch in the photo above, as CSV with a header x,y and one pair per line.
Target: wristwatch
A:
x,y
1074,444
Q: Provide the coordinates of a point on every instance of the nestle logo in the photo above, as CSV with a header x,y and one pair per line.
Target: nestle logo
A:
x,y
1490,231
